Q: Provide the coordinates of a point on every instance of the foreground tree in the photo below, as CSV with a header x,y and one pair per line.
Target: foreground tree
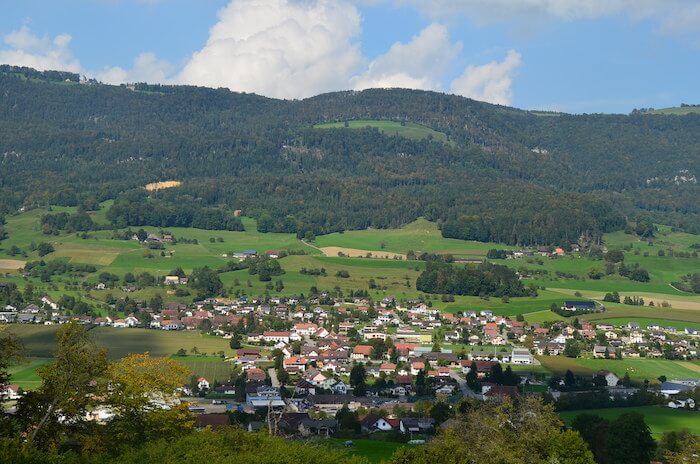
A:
x,y
502,432
143,395
70,384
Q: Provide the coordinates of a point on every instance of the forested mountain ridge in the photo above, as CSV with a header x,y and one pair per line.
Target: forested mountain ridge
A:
x,y
506,174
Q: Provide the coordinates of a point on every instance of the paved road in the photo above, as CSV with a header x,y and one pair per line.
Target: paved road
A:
x,y
466,391
273,377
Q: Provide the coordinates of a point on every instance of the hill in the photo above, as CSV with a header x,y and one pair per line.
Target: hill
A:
x,y
505,175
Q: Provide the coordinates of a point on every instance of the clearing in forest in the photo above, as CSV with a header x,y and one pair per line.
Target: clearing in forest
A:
x,y
162,185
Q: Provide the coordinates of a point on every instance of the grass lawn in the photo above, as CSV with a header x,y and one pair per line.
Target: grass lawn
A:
x,y
25,374
638,369
39,341
212,368
375,451
659,419
409,130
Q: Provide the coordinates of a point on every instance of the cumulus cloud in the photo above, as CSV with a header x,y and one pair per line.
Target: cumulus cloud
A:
x,y
24,48
147,68
279,48
490,82
418,64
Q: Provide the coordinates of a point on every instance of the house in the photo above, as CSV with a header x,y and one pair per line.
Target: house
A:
x,y
202,383
172,325
212,421
521,356
579,306
684,404
47,301
600,351
387,368
11,392
171,280
610,378
297,363
416,424
491,391
270,336
255,374
374,423
265,396
361,352
305,329
304,387
416,367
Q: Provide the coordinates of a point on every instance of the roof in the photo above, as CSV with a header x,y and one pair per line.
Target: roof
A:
x,y
215,421
580,304
365,350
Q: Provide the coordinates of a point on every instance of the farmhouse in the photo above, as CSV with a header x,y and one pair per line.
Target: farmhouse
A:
x,y
579,306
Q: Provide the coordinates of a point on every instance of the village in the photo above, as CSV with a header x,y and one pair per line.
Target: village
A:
x,y
312,361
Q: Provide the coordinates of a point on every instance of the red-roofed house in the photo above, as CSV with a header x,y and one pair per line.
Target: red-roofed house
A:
x,y
361,353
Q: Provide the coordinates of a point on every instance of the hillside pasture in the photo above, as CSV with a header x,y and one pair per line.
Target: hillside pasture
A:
x,y
420,236
406,129
639,369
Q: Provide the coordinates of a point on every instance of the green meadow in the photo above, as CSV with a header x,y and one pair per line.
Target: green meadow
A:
x,y
39,341
660,419
25,375
403,129
420,236
375,451
391,277
639,369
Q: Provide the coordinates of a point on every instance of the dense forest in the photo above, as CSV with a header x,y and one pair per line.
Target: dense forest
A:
x,y
484,280
505,174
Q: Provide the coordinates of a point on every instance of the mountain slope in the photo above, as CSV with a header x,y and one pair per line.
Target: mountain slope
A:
x,y
505,174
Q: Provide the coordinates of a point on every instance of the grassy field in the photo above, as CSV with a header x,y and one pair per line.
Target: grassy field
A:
x,y
392,277
639,369
407,129
25,374
39,341
420,236
375,451
212,368
659,419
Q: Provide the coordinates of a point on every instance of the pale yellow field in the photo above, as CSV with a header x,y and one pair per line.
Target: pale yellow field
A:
x,y
355,253
162,185
11,264
101,256
689,365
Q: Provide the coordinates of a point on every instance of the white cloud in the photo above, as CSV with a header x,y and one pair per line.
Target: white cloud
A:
x,y
491,82
418,64
42,53
279,48
24,48
147,68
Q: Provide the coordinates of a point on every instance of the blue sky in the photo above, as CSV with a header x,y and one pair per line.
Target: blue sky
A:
x,y
602,56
